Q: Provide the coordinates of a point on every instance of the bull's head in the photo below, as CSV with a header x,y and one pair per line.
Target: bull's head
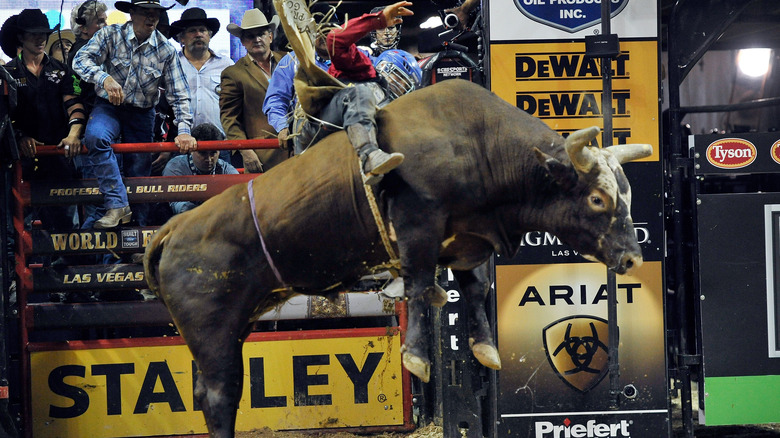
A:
x,y
595,200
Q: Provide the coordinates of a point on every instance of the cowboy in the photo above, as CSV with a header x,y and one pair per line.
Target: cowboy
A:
x,y
128,63
48,110
374,82
202,66
244,86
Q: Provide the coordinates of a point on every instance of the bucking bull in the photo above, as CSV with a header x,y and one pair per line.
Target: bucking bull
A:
x,y
478,174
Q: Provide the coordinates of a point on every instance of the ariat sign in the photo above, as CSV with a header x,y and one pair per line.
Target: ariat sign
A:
x,y
731,153
591,429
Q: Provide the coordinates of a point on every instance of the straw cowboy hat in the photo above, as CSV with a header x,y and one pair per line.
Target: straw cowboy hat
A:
x,y
65,35
29,20
193,17
253,19
148,4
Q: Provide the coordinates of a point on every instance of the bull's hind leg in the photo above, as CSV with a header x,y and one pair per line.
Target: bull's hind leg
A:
x,y
212,313
475,285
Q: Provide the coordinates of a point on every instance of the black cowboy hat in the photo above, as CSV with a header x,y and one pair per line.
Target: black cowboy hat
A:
x,y
29,20
8,39
148,4
192,17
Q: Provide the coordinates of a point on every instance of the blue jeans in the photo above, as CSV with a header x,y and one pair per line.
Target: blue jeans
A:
x,y
107,124
349,106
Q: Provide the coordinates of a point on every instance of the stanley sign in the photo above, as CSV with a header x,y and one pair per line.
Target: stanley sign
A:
x,y
288,384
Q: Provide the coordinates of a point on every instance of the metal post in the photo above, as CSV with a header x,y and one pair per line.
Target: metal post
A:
x,y
606,110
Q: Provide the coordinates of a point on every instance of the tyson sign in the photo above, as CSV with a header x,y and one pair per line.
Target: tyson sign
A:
x,y
568,15
731,153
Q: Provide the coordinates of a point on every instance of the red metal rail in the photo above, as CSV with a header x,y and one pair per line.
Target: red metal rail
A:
x,y
122,148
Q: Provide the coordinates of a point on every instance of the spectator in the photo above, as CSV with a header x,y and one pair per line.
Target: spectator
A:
x,y
244,86
45,92
384,39
280,98
59,44
128,63
85,21
201,65
353,108
198,163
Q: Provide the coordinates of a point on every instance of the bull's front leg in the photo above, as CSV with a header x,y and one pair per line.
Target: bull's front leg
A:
x,y
475,285
417,228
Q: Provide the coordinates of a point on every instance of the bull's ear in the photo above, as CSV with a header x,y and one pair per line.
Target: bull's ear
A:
x,y
563,174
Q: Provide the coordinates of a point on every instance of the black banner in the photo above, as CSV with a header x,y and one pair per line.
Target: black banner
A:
x,y
147,189
93,277
91,241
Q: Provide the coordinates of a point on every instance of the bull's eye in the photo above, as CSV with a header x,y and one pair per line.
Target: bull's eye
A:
x,y
597,202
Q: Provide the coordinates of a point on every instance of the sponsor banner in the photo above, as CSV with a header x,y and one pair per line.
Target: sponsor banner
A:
x,y
554,346
605,424
557,83
147,189
750,152
91,241
512,20
288,384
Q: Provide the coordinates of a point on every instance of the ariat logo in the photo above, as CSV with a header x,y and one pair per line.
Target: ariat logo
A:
x,y
576,348
591,429
731,153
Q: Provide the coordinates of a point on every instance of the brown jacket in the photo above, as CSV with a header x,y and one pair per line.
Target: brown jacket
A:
x,y
243,88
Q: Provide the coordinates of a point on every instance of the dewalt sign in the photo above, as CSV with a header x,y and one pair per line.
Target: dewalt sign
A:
x,y
148,390
557,83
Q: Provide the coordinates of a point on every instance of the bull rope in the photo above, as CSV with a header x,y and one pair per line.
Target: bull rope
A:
x,y
262,241
395,262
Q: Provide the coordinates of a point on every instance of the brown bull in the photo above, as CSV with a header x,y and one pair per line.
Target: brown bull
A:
x,y
479,173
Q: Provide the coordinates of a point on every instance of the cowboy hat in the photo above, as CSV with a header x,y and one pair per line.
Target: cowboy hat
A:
x,y
193,17
34,21
8,40
66,34
253,19
148,4
29,20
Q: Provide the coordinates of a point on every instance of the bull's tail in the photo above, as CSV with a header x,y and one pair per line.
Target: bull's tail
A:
x,y
152,258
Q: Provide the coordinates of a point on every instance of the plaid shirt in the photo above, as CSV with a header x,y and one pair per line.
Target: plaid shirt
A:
x,y
140,69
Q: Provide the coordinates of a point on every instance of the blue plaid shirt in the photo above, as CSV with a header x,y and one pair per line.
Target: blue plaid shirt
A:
x,y
140,69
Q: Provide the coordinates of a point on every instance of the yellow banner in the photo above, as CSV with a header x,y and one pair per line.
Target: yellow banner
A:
x,y
534,298
147,391
558,84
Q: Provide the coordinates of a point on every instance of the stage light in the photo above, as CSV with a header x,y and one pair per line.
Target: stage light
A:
x,y
754,62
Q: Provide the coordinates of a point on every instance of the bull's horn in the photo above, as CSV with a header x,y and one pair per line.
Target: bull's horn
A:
x,y
630,152
581,157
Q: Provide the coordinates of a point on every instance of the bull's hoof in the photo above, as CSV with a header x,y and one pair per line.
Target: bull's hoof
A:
x,y
487,355
418,366
439,299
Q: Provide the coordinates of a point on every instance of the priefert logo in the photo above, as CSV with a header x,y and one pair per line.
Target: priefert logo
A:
x,y
591,429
